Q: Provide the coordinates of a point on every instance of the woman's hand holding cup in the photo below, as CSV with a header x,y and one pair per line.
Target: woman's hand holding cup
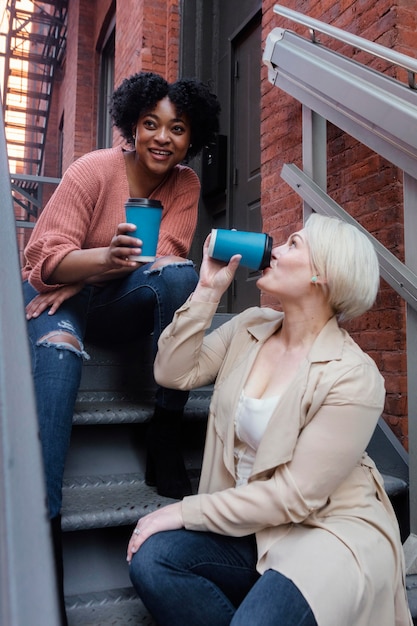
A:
x,y
123,246
215,276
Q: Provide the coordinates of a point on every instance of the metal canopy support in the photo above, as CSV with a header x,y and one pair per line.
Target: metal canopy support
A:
x,y
314,151
410,230
374,49
373,108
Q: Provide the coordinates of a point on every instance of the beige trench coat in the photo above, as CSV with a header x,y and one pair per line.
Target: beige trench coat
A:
x,y
314,499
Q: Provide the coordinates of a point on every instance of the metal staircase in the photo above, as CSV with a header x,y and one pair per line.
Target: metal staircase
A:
x,y
33,51
104,490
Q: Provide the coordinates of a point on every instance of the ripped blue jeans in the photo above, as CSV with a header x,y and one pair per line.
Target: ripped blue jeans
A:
x,y
139,304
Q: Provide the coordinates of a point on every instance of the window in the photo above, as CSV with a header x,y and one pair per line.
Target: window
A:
x,y
105,130
60,146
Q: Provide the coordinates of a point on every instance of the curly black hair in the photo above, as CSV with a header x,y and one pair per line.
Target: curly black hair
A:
x,y
140,94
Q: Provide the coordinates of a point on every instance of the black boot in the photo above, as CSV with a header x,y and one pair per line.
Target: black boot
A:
x,y
59,565
165,467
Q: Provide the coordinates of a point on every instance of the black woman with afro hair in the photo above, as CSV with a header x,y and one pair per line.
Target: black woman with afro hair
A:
x,y
140,93
79,279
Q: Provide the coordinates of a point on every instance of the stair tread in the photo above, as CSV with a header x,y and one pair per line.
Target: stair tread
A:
x,y
117,500
106,501
394,485
123,606
411,585
107,608
104,408
111,411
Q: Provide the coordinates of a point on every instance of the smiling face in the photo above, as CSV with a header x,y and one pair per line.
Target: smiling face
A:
x,y
162,138
290,270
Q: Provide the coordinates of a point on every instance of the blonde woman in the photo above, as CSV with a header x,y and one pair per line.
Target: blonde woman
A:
x,y
291,524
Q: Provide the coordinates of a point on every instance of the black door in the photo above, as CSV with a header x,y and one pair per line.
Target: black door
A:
x,y
221,43
245,211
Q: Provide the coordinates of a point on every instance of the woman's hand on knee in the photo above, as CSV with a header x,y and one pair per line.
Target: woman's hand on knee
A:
x,y
167,518
51,299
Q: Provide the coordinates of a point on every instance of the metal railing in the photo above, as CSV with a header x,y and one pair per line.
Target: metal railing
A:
x,y
374,49
28,196
33,50
28,592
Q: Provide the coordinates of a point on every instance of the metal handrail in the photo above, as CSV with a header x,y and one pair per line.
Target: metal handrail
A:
x,y
396,273
34,178
397,58
28,589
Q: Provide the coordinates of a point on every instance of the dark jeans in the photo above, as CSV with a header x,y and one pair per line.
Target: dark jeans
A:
x,y
123,310
205,579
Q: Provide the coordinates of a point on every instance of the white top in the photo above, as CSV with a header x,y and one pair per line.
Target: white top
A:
x,y
252,418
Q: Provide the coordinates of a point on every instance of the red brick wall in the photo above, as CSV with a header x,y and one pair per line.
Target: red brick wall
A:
x,y
147,38
75,71
130,50
104,12
172,40
74,96
75,91
369,188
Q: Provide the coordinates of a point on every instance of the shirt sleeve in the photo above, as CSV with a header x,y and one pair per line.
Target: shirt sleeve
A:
x,y
187,357
61,227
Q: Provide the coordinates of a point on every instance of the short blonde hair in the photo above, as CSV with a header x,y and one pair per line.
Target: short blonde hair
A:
x,y
343,256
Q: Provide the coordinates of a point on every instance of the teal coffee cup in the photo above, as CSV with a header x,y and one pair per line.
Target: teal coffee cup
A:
x,y
255,248
146,215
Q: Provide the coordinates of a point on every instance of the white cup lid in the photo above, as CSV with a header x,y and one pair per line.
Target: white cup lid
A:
x,y
212,242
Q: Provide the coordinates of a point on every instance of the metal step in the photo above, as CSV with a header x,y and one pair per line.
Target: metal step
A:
x,y
111,408
123,607
394,486
112,608
102,409
107,501
411,586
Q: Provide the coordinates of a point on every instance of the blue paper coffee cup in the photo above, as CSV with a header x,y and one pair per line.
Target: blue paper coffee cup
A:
x,y
146,215
255,248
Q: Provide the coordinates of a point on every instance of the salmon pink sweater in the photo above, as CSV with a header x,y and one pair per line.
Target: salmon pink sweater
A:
x,y
88,205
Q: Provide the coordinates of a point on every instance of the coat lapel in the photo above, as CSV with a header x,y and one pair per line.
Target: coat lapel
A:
x,y
246,349
292,410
